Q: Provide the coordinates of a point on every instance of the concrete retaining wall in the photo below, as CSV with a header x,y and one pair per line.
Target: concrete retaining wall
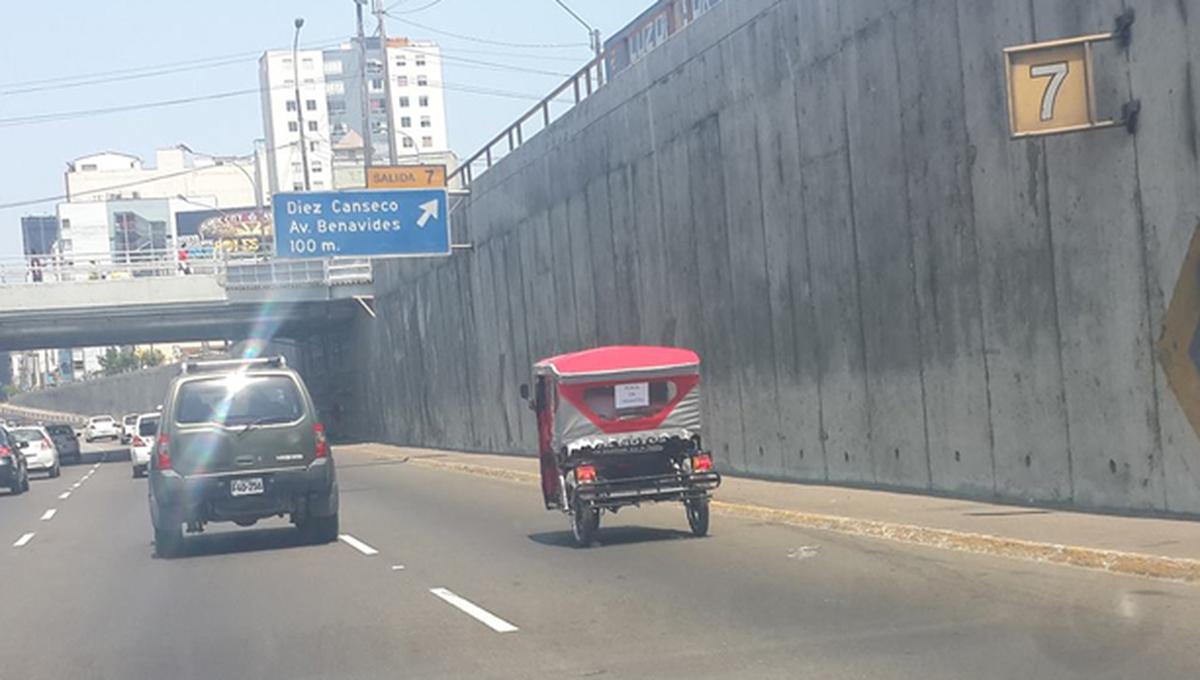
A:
x,y
822,199
138,392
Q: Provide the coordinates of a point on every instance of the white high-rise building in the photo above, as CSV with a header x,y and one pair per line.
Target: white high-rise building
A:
x,y
419,106
282,116
332,90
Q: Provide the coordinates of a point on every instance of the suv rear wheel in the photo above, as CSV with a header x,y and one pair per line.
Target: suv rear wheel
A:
x,y
167,542
320,529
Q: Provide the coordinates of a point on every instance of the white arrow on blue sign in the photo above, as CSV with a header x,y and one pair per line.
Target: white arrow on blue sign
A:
x,y
364,223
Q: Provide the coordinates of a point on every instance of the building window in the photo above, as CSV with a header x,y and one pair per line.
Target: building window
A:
x,y
66,224
408,143
427,141
422,81
287,60
297,186
297,168
87,167
401,61
426,121
404,102
293,126
289,82
316,166
333,68
424,101
65,245
312,146
318,184
306,62
402,81
420,60
310,105
312,126
406,122
291,105
335,87
376,84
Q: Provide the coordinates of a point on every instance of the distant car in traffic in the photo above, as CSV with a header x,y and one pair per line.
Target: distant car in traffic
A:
x,y
128,428
146,431
101,427
66,440
240,441
38,448
14,474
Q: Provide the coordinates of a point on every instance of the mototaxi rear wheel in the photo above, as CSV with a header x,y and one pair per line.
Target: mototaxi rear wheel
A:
x,y
697,516
585,521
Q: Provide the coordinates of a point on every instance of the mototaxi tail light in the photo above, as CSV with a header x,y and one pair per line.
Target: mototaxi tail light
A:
x,y
322,444
585,474
702,463
163,456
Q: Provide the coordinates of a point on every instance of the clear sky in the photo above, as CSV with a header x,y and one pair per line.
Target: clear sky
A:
x,y
42,43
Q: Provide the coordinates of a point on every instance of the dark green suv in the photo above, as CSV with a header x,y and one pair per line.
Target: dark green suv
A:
x,y
240,441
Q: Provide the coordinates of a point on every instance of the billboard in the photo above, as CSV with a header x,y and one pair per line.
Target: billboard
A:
x,y
650,30
238,230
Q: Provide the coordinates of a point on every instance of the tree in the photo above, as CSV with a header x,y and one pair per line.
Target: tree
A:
x,y
116,361
150,357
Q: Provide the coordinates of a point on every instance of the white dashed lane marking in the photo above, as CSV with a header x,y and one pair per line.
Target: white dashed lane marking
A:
x,y
475,611
64,495
23,540
358,545
49,514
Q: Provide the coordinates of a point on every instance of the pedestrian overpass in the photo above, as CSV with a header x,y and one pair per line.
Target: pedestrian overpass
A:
x,y
147,298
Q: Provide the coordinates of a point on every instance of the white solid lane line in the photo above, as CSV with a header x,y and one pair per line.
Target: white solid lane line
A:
x,y
23,540
49,514
475,611
64,495
358,545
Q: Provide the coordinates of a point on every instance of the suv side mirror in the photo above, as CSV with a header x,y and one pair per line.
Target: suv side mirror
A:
x,y
525,392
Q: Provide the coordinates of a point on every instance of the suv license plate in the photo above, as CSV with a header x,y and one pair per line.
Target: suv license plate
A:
x,y
249,486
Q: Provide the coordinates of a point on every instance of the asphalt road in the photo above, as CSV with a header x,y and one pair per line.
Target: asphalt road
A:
x,y
439,568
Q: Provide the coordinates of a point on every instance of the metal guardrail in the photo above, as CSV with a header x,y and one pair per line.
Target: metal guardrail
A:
x,y
582,85
233,270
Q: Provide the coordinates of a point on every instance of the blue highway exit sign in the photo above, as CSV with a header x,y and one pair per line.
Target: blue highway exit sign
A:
x,y
387,223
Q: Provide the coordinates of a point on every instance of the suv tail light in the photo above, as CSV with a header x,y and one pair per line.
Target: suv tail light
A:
x,y
585,474
5,451
702,463
163,456
322,444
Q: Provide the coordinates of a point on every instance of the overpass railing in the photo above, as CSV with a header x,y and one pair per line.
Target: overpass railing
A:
x,y
234,270
583,84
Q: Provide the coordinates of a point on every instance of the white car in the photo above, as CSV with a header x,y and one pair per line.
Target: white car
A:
x,y
128,428
145,434
101,427
41,455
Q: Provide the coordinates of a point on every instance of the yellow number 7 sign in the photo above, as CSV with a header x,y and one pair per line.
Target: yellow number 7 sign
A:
x,y
1050,87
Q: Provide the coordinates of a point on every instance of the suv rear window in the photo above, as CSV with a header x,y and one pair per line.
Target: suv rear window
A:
x,y
148,427
60,430
239,400
102,419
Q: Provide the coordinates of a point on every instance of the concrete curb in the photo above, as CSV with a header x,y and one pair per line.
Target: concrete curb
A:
x,y
1112,561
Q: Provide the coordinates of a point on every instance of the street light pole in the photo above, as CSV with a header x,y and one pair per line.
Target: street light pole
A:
x,y
299,23
594,36
255,181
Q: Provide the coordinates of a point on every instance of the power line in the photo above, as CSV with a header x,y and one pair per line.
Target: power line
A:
x,y
247,56
485,41
413,10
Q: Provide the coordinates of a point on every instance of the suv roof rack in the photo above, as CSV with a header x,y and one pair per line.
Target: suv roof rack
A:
x,y
189,367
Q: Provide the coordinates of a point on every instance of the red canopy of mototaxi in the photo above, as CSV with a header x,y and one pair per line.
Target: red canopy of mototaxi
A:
x,y
619,359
